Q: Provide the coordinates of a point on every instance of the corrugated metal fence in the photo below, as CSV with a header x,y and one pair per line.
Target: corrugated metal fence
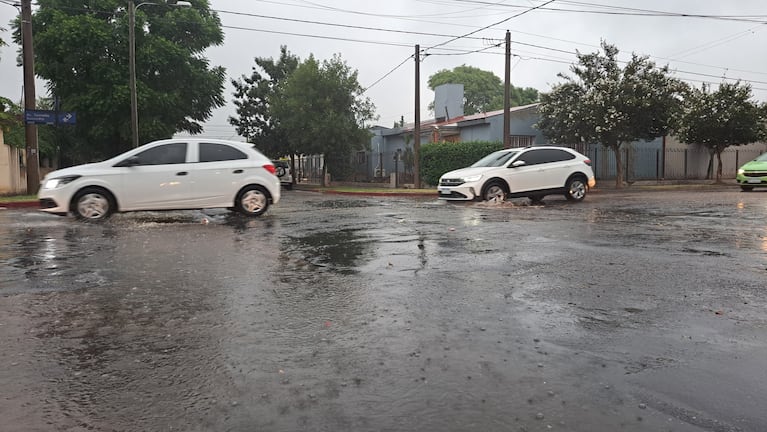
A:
x,y
671,164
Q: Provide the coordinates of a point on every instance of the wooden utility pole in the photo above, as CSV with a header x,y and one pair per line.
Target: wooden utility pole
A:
x,y
30,129
507,95
417,126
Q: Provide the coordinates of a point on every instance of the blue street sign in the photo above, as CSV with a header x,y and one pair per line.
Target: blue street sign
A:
x,y
67,118
39,117
49,117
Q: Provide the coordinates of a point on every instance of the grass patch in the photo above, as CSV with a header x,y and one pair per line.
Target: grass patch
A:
x,y
18,198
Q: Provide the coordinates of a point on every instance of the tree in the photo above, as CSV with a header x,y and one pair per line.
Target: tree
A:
x,y
322,111
723,118
483,90
81,48
253,98
609,105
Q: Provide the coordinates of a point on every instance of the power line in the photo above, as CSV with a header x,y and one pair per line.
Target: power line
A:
x,y
388,73
491,25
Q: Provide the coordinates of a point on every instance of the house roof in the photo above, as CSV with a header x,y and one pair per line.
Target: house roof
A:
x,y
455,122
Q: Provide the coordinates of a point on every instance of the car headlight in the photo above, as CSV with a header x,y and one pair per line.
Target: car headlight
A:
x,y
472,178
59,181
741,171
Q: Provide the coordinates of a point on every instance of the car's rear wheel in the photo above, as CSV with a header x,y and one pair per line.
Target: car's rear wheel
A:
x,y
576,188
747,188
93,204
494,191
253,200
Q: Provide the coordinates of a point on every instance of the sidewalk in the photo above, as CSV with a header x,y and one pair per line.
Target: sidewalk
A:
x,y
605,186
372,189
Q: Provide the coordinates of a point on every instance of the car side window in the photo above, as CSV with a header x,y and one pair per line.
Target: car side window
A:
x,y
532,157
541,156
166,154
210,152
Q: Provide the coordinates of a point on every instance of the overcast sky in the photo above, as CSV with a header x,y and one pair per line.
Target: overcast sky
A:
x,y
379,37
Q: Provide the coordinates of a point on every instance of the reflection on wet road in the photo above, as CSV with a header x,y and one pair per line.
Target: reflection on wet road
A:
x,y
628,312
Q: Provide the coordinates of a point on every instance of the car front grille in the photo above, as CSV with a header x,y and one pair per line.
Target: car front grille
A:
x,y
755,173
451,182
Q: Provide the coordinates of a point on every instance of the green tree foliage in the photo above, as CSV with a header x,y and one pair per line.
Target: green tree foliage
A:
x,y
483,90
723,118
253,98
322,110
609,105
441,157
81,48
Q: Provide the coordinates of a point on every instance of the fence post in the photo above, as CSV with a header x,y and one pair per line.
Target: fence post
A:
x,y
685,164
737,163
657,165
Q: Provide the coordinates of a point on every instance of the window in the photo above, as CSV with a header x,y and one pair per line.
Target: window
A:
x,y
165,154
219,152
535,157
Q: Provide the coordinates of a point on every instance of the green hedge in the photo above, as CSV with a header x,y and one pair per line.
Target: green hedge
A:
x,y
439,158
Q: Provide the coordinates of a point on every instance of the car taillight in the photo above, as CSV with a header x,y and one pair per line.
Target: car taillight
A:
x,y
270,168
587,162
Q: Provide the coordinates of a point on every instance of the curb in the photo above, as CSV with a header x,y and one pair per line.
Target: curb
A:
x,y
19,204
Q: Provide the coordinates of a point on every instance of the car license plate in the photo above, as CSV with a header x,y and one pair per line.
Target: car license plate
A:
x,y
755,180
444,191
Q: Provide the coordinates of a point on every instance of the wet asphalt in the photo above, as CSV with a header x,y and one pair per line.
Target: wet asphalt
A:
x,y
630,311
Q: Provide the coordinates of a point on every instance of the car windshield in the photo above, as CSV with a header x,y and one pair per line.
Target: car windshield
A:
x,y
496,159
762,158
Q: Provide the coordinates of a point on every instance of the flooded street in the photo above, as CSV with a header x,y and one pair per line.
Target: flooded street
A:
x,y
635,311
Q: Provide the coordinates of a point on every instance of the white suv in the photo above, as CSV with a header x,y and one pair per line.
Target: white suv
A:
x,y
532,172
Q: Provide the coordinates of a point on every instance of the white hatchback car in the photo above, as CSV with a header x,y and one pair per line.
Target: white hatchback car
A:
x,y
175,174
532,172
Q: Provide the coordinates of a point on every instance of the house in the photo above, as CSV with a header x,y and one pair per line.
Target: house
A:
x,y
663,158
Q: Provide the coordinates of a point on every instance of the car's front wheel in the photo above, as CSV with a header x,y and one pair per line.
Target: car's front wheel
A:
x,y
252,201
494,191
575,189
93,204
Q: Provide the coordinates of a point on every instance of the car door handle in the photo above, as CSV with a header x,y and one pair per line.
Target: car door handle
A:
x,y
182,173
237,171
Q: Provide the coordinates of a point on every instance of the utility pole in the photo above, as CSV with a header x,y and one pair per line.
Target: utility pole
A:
x,y
417,127
30,129
132,72
507,95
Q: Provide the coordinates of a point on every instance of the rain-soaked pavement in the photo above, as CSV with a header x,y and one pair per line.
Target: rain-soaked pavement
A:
x,y
627,312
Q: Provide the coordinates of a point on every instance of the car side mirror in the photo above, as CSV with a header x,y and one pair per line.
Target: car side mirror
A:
x,y
518,163
131,161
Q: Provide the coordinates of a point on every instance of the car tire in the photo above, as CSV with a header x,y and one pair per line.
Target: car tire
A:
x,y
280,171
576,189
494,190
93,204
747,188
252,201
289,186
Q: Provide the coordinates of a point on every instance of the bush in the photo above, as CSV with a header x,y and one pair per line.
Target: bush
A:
x,y
439,158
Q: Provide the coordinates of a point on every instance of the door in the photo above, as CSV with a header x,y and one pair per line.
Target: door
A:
x,y
219,174
158,179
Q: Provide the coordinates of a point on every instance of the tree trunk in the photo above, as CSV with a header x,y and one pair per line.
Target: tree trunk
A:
x,y
710,168
616,148
719,167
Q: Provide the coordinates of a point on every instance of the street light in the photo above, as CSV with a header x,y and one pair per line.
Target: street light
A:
x,y
132,62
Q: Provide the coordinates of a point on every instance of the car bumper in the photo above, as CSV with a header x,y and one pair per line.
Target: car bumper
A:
x,y
745,180
55,201
464,192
